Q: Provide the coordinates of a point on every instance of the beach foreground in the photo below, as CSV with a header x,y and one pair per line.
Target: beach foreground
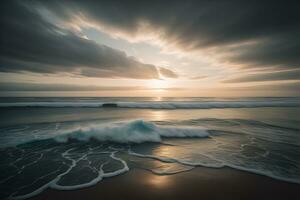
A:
x,y
199,183
87,152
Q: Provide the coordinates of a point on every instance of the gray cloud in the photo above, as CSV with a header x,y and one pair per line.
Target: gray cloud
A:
x,y
30,43
273,76
191,24
167,73
280,51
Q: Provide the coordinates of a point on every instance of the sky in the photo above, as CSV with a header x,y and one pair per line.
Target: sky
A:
x,y
150,48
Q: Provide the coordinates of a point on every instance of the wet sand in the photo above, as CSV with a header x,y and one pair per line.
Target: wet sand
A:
x,y
199,183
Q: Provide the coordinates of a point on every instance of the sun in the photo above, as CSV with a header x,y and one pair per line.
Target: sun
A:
x,y
158,84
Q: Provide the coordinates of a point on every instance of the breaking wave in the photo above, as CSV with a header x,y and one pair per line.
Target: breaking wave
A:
x,y
137,131
128,132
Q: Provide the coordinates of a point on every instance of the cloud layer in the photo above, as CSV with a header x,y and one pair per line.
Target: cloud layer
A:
x,y
45,36
251,33
31,43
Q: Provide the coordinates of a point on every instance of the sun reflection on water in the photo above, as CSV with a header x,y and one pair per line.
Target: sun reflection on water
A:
x,y
159,115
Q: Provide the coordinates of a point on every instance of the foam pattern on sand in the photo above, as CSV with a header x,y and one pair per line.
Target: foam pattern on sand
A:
x,y
72,156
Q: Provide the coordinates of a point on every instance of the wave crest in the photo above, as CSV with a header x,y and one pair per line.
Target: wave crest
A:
x,y
137,131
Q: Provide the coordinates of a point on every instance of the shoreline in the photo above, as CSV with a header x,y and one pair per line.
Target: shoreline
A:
x,y
201,182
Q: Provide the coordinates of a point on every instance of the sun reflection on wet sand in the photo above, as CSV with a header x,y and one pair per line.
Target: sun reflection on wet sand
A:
x,y
165,151
159,181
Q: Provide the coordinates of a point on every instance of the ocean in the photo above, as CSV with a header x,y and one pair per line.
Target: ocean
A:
x,y
73,143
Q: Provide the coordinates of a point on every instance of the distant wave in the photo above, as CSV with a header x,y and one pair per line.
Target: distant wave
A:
x,y
159,105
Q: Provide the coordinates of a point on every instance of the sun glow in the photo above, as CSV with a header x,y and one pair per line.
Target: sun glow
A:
x,y
158,84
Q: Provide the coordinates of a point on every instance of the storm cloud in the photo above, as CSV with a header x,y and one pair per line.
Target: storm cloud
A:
x,y
31,43
255,33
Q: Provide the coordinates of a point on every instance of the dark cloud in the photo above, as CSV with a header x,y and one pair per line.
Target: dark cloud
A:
x,y
280,51
30,43
191,24
272,76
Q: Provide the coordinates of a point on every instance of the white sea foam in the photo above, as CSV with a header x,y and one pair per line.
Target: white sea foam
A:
x,y
215,164
101,175
55,185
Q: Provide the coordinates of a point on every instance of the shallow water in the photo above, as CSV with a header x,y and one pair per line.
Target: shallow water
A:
x,y
74,147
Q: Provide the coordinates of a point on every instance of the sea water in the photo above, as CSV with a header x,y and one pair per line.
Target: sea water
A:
x,y
72,143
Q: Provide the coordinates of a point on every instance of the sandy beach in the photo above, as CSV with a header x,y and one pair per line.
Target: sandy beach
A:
x,y
199,183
